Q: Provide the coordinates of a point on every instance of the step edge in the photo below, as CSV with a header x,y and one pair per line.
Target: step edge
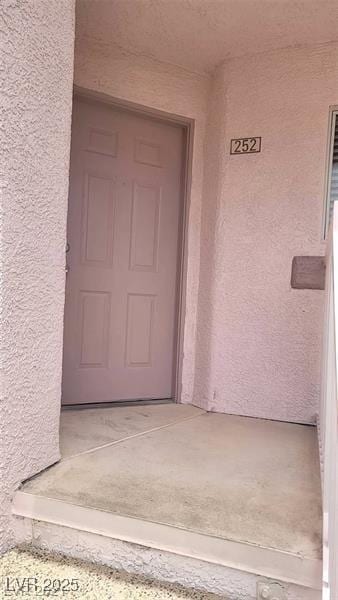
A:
x,y
243,556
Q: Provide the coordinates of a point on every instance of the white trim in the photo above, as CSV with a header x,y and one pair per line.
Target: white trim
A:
x,y
320,439
268,562
333,112
329,418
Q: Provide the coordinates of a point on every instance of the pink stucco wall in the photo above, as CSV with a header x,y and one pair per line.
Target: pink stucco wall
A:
x,y
251,345
259,341
36,82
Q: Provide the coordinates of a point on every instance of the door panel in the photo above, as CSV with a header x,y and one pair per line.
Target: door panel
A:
x,y
97,232
123,222
94,322
139,331
145,213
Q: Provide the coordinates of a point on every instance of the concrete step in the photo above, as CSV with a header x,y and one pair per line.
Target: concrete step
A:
x,y
212,501
225,567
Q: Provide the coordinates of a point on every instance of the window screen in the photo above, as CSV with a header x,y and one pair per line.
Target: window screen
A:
x,y
333,173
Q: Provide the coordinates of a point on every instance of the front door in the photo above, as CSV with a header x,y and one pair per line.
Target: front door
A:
x,y
124,218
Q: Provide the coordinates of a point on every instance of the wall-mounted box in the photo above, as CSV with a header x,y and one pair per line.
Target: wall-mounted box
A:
x,y
308,273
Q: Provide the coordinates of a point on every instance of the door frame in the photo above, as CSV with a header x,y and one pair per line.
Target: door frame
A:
x,y
182,266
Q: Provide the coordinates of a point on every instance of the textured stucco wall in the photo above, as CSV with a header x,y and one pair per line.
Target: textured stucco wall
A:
x,y
138,79
254,346
157,564
36,86
259,341
214,174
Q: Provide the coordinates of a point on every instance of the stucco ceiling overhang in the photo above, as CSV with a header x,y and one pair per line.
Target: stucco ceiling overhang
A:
x,y
200,34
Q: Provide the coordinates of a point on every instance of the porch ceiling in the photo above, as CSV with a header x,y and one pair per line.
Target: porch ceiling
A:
x,y
200,34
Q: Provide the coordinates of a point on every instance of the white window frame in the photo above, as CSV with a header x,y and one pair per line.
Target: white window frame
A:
x,y
333,114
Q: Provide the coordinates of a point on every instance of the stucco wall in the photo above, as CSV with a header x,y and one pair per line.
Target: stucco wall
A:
x,y
106,69
260,340
254,346
36,85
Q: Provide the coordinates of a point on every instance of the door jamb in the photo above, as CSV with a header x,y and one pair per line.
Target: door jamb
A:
x,y
188,126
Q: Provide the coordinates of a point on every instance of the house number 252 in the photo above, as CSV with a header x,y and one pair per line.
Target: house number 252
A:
x,y
248,145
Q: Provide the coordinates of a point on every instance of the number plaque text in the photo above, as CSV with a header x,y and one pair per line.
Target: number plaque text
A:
x,y
249,145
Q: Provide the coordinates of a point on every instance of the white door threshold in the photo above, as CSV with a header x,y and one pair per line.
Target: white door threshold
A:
x,y
267,562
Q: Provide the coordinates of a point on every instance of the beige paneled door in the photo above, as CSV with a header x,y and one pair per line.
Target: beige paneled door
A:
x,y
124,219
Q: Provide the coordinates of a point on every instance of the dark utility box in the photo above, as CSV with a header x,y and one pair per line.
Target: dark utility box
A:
x,y
308,273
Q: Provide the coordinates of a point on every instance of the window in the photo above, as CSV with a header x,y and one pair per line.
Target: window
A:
x,y
332,183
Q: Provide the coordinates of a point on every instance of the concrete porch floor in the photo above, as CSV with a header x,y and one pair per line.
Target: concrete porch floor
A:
x,y
233,490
